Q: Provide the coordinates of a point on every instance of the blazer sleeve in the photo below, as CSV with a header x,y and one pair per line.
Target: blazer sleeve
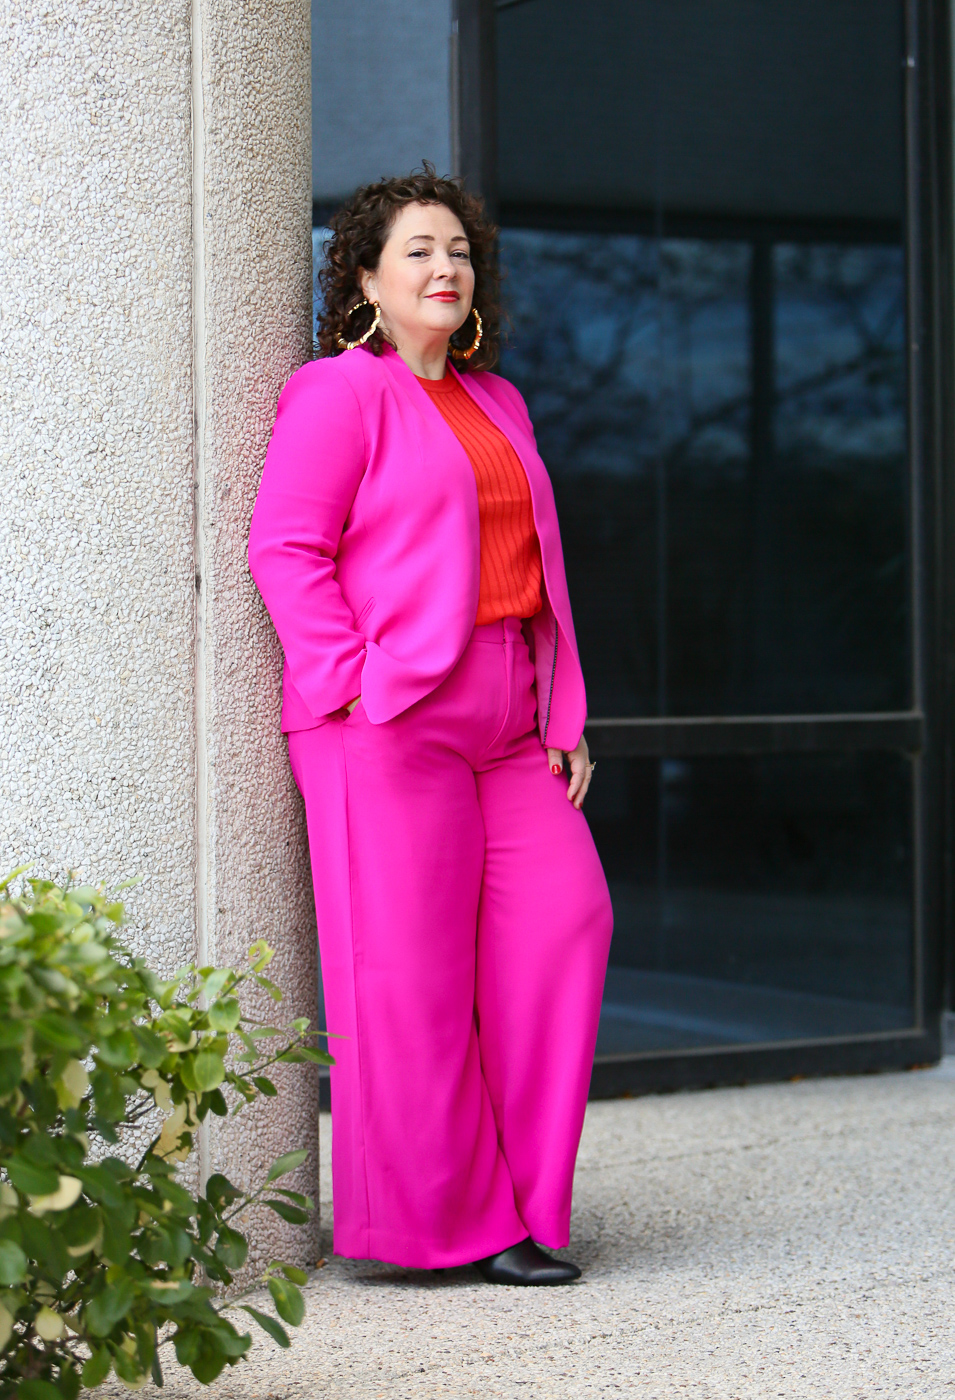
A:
x,y
314,464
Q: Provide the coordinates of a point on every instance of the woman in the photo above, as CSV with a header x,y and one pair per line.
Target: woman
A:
x,y
405,542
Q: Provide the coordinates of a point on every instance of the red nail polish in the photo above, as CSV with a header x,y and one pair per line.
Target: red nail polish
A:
x,y
555,769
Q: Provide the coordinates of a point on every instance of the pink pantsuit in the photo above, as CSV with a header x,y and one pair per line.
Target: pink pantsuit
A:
x,y
463,915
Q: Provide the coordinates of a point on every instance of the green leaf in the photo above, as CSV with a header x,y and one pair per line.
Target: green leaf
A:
x,y
187,1340
296,1198
296,1275
206,1350
40,1149
45,923
162,1293
11,1071
59,1031
217,1103
215,981
292,1214
233,1343
260,955
100,1184
156,1371
11,1033
224,1014
287,1163
80,1229
117,1240
118,1050
33,1180
232,1248
186,1076
268,1324
42,1098
43,1244
214,1267
13,1263
304,1054
52,980
289,1303
9,879
173,1247
128,1368
176,1024
145,1342
176,1195
107,1095
208,1070
104,1311
68,1381
220,1191
152,1048
264,1086
209,1362
316,1057
38,1390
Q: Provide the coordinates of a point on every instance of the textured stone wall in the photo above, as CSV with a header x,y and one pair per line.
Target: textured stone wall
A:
x,y
253,330
96,439
154,295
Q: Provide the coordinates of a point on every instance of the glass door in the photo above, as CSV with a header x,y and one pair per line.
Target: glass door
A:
x,y
712,218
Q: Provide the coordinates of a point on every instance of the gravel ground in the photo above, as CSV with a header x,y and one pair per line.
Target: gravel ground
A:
x,y
782,1240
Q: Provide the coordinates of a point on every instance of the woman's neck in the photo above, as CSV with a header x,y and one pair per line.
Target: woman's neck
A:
x,y
426,361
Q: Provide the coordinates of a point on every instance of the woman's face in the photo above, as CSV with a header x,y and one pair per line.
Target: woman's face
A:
x,y
424,280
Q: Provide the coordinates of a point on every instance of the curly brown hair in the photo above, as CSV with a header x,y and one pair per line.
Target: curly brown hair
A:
x,y
359,230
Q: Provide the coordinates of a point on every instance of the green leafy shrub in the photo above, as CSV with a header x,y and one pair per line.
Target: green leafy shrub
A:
x,y
104,1254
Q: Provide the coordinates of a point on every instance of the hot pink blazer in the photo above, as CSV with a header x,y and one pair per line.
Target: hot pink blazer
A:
x,y
365,544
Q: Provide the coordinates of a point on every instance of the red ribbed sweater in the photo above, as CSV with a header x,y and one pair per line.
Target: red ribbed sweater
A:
x,y
510,550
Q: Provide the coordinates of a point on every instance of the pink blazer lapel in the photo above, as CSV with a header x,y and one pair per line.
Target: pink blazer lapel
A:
x,y
542,499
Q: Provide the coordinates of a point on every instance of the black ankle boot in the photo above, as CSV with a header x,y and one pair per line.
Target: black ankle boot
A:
x,y
525,1264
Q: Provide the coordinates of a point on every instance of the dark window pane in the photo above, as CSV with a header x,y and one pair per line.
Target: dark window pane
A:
x,y
834,511
724,421
702,204
703,246
755,898
765,108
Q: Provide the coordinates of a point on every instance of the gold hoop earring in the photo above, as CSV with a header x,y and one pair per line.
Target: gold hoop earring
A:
x,y
352,344
466,354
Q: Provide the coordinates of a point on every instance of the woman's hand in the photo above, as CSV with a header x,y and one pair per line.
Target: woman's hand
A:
x,y
580,771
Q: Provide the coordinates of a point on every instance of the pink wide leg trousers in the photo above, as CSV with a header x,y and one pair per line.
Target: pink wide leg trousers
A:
x,y
464,925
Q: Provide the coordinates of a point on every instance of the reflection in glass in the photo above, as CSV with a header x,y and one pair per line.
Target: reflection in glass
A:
x,y
756,899
724,421
703,252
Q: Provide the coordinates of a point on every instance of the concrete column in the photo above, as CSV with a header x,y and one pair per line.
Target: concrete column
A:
x,y
154,295
253,324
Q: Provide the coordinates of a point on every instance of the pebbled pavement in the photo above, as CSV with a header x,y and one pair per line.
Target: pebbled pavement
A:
x,y
738,1244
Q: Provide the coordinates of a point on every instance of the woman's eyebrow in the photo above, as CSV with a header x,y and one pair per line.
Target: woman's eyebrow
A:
x,y
419,237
